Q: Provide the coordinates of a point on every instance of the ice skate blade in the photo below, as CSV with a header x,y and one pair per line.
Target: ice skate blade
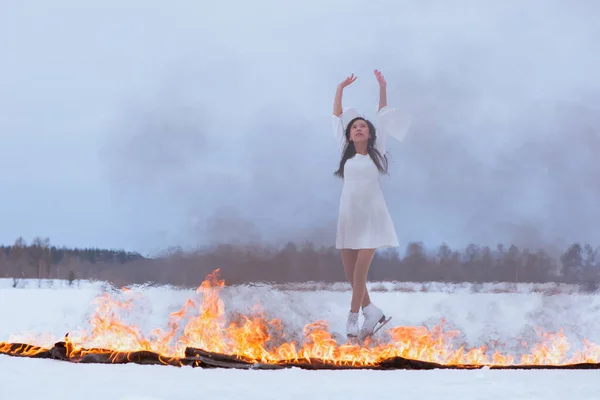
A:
x,y
381,323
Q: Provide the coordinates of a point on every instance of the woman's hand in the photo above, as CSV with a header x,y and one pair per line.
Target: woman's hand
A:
x,y
380,79
346,82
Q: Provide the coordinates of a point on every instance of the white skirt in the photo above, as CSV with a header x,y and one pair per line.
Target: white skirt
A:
x,y
363,220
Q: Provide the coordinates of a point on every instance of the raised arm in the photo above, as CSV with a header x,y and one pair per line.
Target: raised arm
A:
x,y
382,89
390,121
337,102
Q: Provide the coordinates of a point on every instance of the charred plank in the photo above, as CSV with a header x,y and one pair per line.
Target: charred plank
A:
x,y
198,358
207,355
135,357
579,366
408,364
24,350
318,364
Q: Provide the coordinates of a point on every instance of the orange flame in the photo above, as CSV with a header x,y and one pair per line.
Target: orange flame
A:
x,y
255,338
21,349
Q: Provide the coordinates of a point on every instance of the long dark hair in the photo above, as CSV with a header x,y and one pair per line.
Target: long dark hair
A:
x,y
380,160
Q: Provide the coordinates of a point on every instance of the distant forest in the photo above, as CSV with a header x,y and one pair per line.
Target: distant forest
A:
x,y
298,263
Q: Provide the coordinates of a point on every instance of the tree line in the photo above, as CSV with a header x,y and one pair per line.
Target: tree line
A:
x,y
242,264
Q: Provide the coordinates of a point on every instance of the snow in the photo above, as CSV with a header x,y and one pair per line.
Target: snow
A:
x,y
481,317
60,380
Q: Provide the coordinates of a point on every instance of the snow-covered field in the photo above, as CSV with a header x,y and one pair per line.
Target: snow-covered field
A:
x,y
483,314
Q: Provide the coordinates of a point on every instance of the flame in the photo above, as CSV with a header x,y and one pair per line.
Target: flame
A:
x,y
21,349
203,323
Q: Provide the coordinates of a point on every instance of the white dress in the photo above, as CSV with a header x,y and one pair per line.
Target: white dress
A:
x,y
364,221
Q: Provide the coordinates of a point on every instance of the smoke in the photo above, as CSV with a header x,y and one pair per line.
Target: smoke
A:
x,y
237,145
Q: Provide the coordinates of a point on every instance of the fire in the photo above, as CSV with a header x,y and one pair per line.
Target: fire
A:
x,y
202,323
24,350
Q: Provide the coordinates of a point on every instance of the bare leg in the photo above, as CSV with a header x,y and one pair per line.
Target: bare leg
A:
x,y
349,260
359,286
349,257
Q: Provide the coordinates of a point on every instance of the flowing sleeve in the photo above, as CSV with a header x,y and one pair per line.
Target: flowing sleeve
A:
x,y
390,122
340,123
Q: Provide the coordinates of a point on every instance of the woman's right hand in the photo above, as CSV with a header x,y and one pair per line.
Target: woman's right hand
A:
x,y
346,82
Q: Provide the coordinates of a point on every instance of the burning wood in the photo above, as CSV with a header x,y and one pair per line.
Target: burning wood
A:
x,y
209,339
24,350
198,358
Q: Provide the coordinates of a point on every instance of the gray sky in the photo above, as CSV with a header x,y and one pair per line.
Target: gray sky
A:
x,y
145,124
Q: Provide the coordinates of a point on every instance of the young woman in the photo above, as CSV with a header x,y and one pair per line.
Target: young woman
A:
x,y
364,223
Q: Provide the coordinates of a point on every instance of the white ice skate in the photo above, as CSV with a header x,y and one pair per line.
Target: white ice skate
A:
x,y
374,320
352,326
